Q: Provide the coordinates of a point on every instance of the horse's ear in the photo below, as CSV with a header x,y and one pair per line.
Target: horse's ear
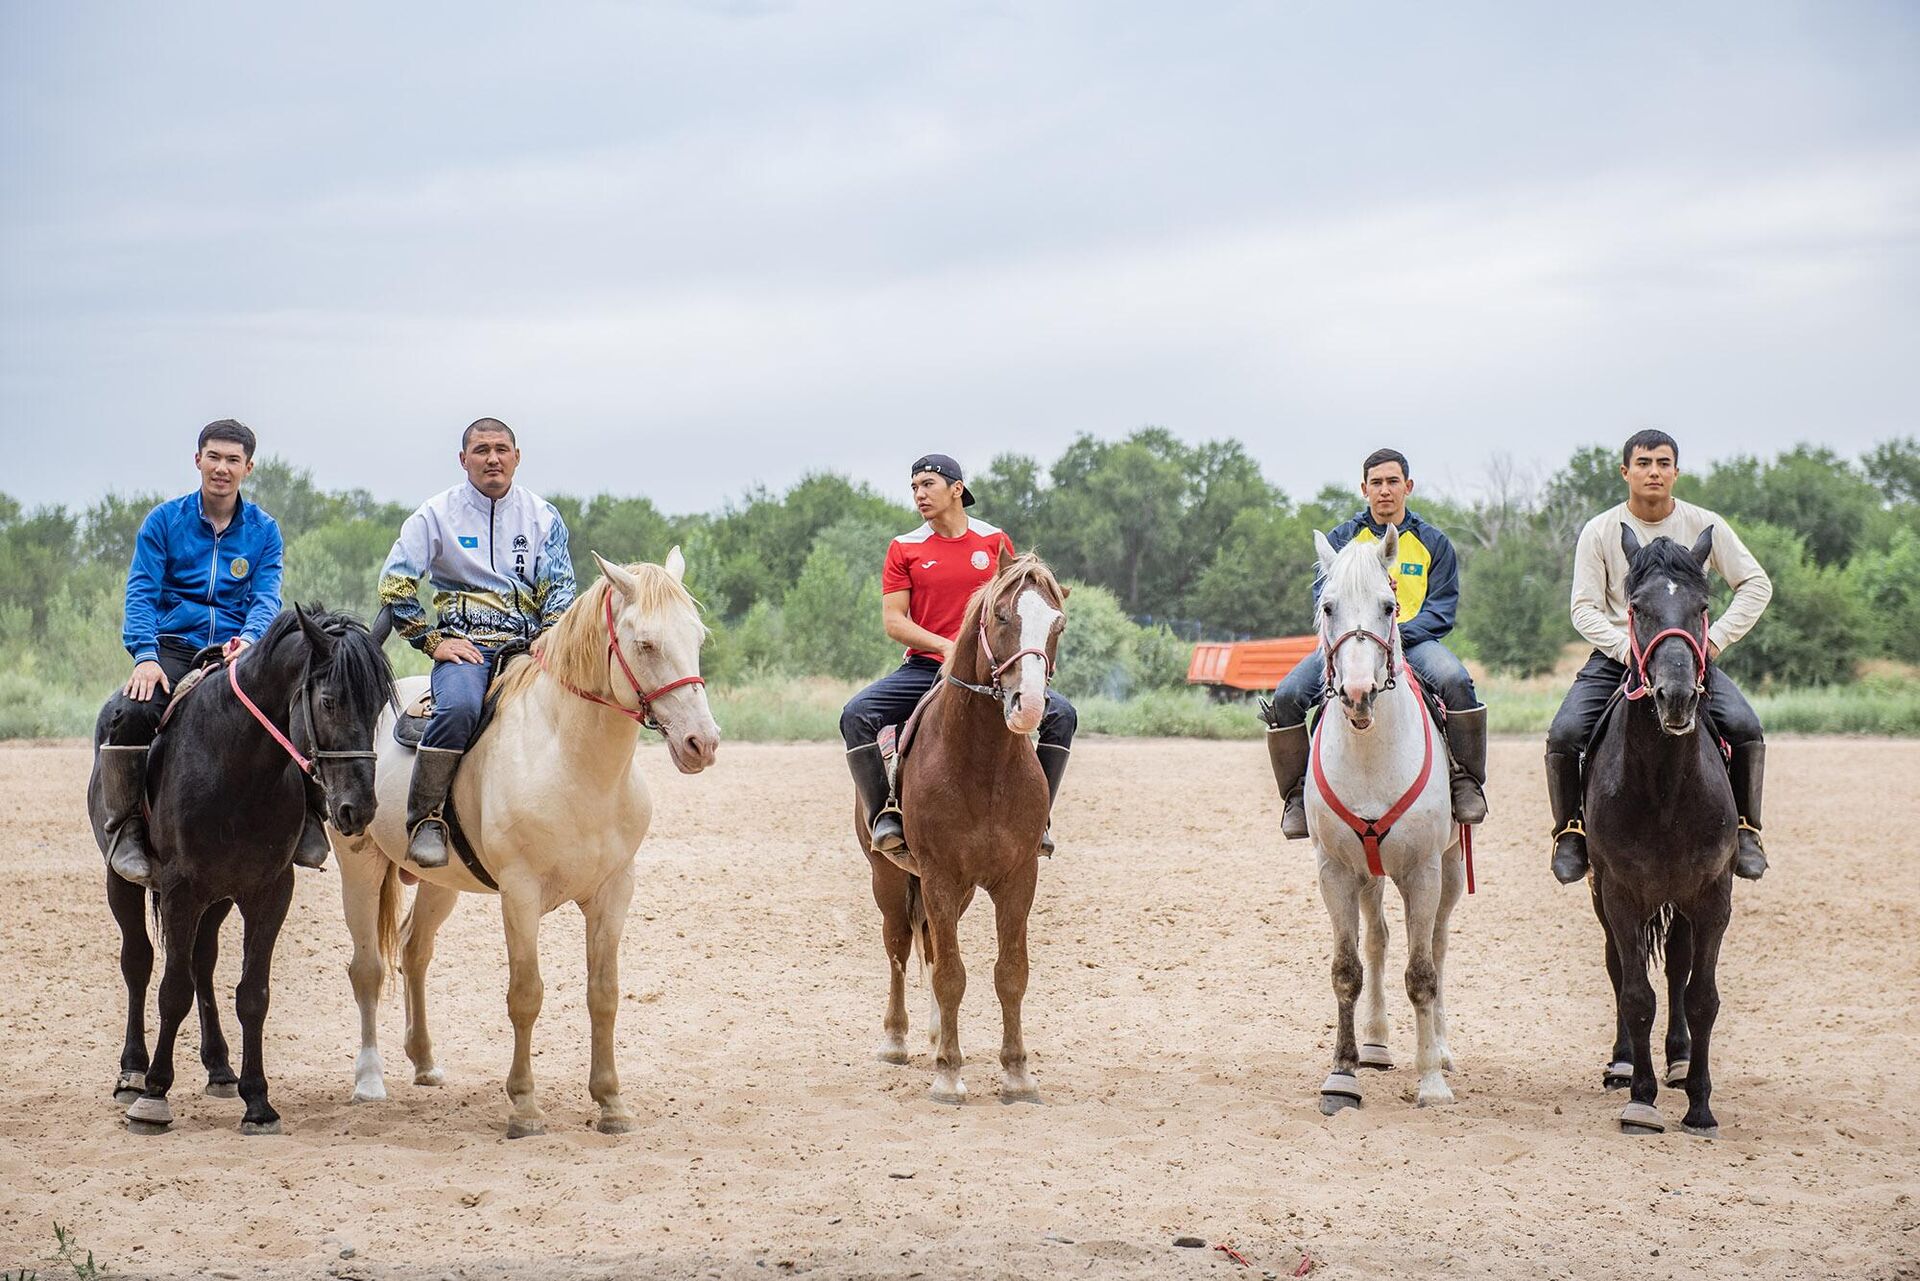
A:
x,y
1703,546
1629,541
1324,550
1006,559
1390,548
316,635
676,564
625,583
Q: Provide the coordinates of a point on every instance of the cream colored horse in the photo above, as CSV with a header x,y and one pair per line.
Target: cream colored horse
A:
x,y
552,800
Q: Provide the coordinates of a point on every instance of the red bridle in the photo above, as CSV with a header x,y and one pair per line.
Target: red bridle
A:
x,y
644,713
306,764
1640,656
994,669
1389,643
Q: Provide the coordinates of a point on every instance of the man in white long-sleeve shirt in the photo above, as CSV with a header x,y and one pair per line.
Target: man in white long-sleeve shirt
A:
x,y
1650,464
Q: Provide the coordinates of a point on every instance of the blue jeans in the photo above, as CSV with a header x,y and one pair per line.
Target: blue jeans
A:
x,y
1431,661
891,699
459,690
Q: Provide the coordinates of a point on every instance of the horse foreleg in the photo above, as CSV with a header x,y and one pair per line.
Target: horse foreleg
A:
x,y
1341,890
1453,883
520,911
128,902
949,984
1420,891
432,905
221,1082
1619,1070
179,921
893,894
606,913
1703,1002
363,872
1373,988
1679,1047
1011,906
1626,930
264,915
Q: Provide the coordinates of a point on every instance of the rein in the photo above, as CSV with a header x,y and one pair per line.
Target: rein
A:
x,y
306,764
993,688
1390,643
1641,656
643,715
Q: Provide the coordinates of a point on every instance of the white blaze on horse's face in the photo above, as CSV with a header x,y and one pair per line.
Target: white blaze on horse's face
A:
x,y
663,646
1037,619
1358,597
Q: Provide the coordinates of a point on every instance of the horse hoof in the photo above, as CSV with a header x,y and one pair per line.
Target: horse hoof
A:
x,y
519,1129
151,1110
1375,1056
952,1096
148,1127
895,1054
223,1089
1701,1131
614,1125
1641,1118
430,1076
1617,1075
261,1127
1677,1074
375,1093
126,1095
1028,1095
1340,1091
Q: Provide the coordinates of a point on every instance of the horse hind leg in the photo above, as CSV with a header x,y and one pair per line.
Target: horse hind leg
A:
x,y
1373,990
432,905
264,914
606,913
520,913
221,1082
128,903
179,921
1010,969
1342,893
1421,894
1679,1046
894,893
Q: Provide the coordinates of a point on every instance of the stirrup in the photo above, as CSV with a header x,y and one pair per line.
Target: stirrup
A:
x,y
1748,827
1576,827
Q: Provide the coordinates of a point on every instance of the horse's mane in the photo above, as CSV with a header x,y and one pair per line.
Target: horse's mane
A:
x,y
1356,568
1664,556
358,667
1023,568
575,648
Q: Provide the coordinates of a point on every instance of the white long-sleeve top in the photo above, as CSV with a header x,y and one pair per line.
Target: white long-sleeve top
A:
x,y
1600,575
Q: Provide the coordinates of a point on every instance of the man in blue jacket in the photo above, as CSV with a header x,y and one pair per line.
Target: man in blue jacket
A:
x,y
1428,585
206,571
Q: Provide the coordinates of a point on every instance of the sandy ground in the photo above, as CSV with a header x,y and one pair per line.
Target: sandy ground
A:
x,y
1179,1019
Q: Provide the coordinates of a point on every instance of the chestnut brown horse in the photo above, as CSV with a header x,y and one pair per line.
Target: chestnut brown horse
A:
x,y
975,806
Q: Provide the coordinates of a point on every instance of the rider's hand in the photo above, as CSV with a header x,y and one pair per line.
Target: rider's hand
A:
x,y
457,649
146,674
946,649
1713,651
233,647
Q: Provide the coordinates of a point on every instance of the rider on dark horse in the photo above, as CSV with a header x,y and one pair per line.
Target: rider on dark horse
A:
x,y
205,572
496,557
1650,463
1427,583
927,579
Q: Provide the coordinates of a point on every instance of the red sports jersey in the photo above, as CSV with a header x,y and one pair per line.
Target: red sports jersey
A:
x,y
942,573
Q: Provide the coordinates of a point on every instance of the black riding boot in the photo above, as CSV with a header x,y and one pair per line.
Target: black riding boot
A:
x,y
1569,837
1287,750
313,846
429,841
1467,742
883,816
1053,763
1749,767
123,785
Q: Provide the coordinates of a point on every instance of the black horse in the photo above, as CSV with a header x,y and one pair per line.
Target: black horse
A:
x,y
226,788
1662,829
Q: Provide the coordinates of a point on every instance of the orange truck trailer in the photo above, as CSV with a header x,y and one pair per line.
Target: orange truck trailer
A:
x,y
1250,666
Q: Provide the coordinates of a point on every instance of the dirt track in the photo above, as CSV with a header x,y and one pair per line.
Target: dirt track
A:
x,y
1179,1019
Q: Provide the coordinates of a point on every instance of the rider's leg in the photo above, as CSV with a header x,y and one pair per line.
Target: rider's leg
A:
x,y
1735,719
459,689
1566,741
1057,725
1286,719
313,846
130,727
888,701
1448,678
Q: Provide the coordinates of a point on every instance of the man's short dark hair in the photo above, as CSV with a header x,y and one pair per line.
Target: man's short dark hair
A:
x,y
1380,456
230,429
1650,439
486,424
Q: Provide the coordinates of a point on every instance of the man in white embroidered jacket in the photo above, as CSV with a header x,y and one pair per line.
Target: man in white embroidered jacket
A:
x,y
1650,463
496,557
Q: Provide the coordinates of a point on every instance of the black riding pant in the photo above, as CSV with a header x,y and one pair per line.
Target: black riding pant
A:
x,y
891,699
132,722
1573,724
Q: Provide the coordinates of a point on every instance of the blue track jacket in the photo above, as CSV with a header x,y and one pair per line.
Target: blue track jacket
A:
x,y
198,587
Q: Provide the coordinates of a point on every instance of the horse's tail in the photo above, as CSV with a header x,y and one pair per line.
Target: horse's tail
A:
x,y
390,923
919,933
1653,936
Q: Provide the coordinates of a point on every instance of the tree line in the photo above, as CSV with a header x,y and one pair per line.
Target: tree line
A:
x,y
1165,541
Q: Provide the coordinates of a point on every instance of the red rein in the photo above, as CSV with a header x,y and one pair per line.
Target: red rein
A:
x,y
1640,656
642,715
233,682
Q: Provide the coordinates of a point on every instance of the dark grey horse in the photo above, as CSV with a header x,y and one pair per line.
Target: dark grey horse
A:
x,y
1662,828
227,801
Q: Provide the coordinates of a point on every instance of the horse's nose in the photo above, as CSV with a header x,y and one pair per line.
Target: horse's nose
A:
x,y
347,818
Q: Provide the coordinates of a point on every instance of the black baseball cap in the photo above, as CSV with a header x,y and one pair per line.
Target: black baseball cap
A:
x,y
941,465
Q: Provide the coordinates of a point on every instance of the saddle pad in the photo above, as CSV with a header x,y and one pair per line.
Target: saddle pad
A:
x,y
186,685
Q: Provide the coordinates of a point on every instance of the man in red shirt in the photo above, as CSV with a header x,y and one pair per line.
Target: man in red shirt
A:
x,y
929,576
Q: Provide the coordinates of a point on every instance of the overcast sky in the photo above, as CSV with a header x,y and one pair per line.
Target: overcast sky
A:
x,y
685,248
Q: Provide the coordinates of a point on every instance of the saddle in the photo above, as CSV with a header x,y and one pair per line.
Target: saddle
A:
x,y
895,740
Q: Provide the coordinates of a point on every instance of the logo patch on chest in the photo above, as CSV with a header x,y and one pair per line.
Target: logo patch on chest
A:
x,y
469,543
1412,570
980,560
239,567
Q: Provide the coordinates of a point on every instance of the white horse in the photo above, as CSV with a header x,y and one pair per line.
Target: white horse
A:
x,y
554,807
1379,804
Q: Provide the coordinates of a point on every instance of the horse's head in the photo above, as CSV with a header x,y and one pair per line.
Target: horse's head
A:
x,y
1667,621
1357,622
656,630
349,683
1016,619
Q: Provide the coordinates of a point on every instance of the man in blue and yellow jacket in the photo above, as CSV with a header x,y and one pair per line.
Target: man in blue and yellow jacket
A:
x,y
206,571
1428,584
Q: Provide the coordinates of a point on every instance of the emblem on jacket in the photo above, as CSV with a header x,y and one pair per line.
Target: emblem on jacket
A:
x,y
469,542
979,560
239,567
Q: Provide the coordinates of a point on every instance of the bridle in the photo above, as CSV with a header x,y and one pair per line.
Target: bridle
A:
x,y
643,714
1642,655
993,688
1390,643
303,703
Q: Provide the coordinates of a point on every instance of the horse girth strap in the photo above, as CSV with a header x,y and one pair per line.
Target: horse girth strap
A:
x,y
1372,831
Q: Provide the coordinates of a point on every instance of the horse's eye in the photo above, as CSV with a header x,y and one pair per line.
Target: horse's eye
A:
x,y
1387,608
1327,609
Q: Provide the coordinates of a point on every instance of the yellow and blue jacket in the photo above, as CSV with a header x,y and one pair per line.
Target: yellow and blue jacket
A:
x,y
1427,578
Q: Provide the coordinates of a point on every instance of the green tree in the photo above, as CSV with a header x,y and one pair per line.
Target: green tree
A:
x,y
1809,489
1099,650
1260,580
1814,631
833,619
338,565
1893,468
1513,603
